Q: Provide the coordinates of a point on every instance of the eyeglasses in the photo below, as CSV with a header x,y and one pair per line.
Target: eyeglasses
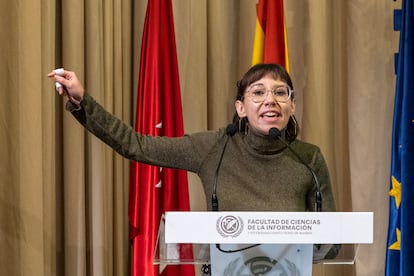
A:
x,y
258,93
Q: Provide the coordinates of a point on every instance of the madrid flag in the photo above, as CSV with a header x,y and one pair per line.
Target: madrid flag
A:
x,y
154,190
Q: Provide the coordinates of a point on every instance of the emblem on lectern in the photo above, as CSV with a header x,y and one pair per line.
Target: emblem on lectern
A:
x,y
229,226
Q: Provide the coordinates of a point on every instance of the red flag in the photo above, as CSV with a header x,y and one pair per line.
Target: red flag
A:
x,y
270,43
154,190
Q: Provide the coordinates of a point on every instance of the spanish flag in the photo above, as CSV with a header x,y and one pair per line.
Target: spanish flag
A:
x,y
270,43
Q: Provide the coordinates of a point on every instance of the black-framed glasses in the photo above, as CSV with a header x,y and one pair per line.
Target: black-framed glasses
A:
x,y
258,93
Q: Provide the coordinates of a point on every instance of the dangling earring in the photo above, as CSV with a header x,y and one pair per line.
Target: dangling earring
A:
x,y
246,126
295,123
293,128
240,125
243,126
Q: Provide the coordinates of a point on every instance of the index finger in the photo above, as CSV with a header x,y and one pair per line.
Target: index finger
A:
x,y
58,71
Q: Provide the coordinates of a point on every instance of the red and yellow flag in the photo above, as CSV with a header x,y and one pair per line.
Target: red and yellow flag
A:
x,y
270,43
159,112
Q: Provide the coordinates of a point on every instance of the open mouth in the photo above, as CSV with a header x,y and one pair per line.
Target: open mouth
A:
x,y
270,114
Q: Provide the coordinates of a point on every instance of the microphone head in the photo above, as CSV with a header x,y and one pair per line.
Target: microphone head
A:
x,y
274,133
231,129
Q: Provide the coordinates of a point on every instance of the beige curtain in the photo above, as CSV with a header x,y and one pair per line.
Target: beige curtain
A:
x,y
64,195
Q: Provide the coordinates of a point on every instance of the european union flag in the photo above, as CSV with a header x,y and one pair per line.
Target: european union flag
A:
x,y
400,243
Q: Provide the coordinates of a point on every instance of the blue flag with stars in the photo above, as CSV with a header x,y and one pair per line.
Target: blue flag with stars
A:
x,y
400,242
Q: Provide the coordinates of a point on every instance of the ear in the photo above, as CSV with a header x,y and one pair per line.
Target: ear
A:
x,y
293,106
239,105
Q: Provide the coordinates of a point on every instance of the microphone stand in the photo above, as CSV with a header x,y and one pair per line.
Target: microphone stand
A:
x,y
275,134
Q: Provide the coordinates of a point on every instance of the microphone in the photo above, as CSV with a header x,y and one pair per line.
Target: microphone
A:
x,y
230,131
275,134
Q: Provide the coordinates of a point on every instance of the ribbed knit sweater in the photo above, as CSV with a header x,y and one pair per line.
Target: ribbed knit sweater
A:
x,y
257,173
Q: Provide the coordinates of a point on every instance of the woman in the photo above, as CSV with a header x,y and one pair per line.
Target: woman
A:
x,y
257,171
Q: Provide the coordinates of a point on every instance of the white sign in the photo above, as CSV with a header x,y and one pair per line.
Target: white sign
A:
x,y
269,227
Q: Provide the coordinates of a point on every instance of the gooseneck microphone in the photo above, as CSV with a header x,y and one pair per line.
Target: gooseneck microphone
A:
x,y
276,134
230,131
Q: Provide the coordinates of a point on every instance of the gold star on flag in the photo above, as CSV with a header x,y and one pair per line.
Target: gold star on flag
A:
x,y
396,191
396,245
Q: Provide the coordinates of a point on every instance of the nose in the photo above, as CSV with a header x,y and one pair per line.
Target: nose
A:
x,y
269,98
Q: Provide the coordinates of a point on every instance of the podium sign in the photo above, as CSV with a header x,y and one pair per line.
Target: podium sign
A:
x,y
269,227
254,243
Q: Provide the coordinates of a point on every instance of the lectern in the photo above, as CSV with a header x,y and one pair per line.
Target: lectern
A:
x,y
254,243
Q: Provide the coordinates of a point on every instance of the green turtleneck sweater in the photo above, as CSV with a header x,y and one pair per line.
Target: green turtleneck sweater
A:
x,y
257,172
